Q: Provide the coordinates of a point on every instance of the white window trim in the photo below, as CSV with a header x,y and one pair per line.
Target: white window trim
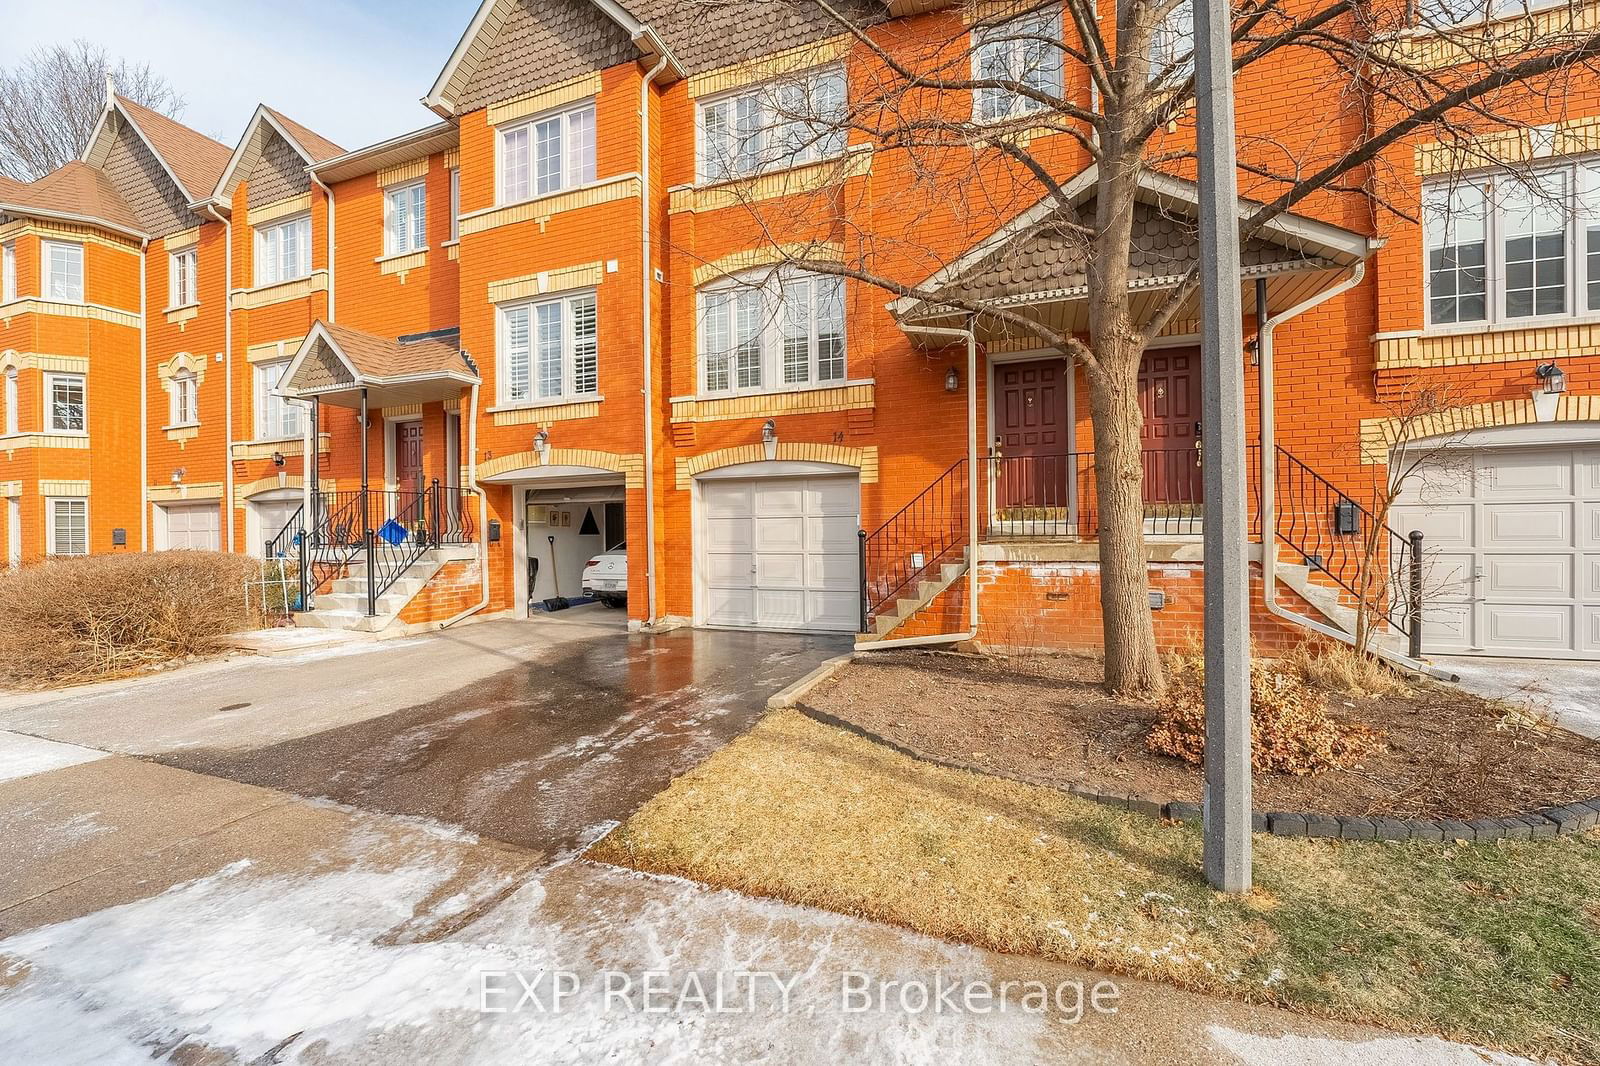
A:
x,y
50,379
46,273
772,327
1577,278
814,154
502,350
528,123
390,249
50,524
8,272
1019,107
13,416
260,253
176,299
259,406
455,207
1434,21
174,389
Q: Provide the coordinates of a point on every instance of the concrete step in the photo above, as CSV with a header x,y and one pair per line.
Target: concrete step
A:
x,y
407,586
389,603
354,621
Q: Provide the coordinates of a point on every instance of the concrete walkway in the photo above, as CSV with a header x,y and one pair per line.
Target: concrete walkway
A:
x,y
1566,689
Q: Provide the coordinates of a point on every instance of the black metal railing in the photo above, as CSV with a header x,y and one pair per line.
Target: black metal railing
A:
x,y
924,534
1057,494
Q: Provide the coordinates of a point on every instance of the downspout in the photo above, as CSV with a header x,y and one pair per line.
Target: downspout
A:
x,y
483,515
227,372
646,330
972,493
144,398
329,194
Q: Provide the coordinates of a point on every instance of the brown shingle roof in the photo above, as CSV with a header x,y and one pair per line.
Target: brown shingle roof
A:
x,y
710,35
388,357
316,144
76,189
195,160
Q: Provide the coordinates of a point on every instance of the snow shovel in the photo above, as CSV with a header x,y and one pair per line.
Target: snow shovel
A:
x,y
557,602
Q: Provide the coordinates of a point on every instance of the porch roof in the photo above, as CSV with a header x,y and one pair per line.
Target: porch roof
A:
x,y
1037,264
335,363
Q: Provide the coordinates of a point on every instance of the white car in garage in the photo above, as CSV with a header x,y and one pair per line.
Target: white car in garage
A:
x,y
605,577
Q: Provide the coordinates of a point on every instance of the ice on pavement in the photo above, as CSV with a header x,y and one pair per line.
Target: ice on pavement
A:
x,y
24,756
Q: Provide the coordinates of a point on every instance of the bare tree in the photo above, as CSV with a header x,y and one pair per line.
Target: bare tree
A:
x,y
51,99
1001,115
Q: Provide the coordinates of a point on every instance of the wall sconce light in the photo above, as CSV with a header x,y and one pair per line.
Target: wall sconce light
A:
x,y
952,380
769,439
541,445
1547,397
278,459
177,475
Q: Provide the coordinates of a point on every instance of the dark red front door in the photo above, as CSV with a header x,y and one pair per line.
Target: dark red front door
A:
x,y
408,456
1169,399
1034,427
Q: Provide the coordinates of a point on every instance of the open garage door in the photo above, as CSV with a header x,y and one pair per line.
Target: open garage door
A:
x,y
780,552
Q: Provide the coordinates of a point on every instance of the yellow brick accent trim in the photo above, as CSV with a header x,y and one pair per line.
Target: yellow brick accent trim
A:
x,y
794,181
452,252
66,231
452,159
63,364
208,490
249,449
544,416
1497,39
63,488
271,351
403,264
1572,137
542,209
769,405
767,255
567,92
451,403
93,312
182,316
294,205
10,489
777,65
283,292
187,238
1489,346
242,493
863,459
182,435
68,441
584,276
631,466
988,10
403,410
1379,435
417,168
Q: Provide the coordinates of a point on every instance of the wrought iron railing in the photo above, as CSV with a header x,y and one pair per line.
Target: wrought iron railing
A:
x,y
1056,495
927,532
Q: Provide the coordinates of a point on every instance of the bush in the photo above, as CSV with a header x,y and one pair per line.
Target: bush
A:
x,y
1291,730
66,621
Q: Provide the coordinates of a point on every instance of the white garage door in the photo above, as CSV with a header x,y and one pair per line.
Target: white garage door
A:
x,y
271,515
1512,548
780,553
197,526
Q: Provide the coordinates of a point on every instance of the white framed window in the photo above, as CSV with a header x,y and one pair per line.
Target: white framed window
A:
x,y
8,272
1024,50
1172,44
1446,13
283,250
546,154
549,349
276,417
1506,249
63,271
772,333
68,521
181,291
798,119
405,218
64,400
455,205
182,409
11,400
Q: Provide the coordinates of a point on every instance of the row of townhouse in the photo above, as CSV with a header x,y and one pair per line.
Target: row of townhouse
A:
x,y
443,371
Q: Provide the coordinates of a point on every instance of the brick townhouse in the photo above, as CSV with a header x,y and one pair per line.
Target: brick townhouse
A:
x,y
443,371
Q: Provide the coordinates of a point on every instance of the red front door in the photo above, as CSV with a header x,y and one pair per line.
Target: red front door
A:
x,y
1169,399
408,456
1034,427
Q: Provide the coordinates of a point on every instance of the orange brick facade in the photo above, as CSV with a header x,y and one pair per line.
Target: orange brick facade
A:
x,y
1335,365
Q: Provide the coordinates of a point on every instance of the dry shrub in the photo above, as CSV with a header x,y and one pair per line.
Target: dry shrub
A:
x,y
71,620
1340,668
1291,730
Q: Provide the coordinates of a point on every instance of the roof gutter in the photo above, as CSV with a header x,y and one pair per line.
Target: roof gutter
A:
x,y
144,397
227,367
69,216
647,282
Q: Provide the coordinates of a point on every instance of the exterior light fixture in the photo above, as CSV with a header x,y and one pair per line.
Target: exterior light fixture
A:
x,y
177,475
952,380
1547,396
277,459
769,439
541,445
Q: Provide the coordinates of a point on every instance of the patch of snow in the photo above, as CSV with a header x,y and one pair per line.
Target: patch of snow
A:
x,y
24,756
1293,1050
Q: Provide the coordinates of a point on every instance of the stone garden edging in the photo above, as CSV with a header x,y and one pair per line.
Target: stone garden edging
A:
x,y
1546,823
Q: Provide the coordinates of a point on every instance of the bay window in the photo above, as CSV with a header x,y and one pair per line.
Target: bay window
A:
x,y
772,333
63,271
548,350
547,154
405,219
276,417
283,251
1024,50
799,119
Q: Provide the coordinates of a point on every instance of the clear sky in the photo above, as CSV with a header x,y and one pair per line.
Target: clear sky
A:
x,y
353,70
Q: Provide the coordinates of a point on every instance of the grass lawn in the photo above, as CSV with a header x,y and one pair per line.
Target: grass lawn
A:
x,y
1495,944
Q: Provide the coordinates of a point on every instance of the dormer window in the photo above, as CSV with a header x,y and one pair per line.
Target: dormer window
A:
x,y
283,250
547,154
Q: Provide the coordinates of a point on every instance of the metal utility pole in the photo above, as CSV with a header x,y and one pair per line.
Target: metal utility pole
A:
x,y
1227,533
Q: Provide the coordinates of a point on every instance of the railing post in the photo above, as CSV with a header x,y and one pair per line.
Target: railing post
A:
x,y
861,549
433,516
1414,604
372,573
305,574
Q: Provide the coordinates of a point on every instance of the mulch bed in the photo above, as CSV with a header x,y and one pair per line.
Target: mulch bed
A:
x,y
1450,754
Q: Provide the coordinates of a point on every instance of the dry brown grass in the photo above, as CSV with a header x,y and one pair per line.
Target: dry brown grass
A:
x,y
67,621
1340,668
